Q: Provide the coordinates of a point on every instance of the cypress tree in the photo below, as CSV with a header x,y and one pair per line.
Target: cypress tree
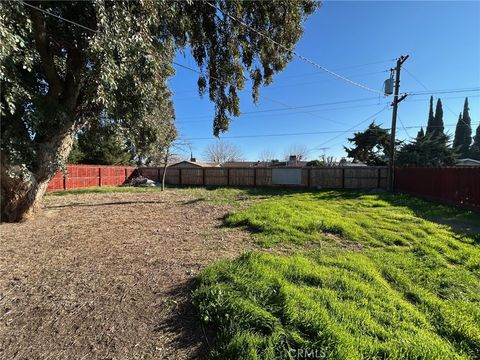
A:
x,y
459,133
438,128
475,149
467,140
430,118
463,132
420,134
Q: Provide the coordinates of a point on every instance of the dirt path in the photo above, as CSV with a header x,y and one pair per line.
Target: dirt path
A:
x,y
108,276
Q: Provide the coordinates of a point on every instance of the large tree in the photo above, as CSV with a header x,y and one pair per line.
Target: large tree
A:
x,y
220,152
371,146
65,63
463,132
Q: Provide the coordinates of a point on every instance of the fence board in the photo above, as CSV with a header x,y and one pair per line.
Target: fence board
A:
x,y
79,176
351,178
452,185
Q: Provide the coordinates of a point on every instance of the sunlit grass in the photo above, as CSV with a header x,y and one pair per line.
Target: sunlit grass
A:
x,y
411,292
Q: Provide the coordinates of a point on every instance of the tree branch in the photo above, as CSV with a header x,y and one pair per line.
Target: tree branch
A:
x,y
43,48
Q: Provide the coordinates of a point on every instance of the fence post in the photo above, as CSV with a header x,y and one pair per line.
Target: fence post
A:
x,y
64,181
203,176
343,178
126,171
100,177
255,177
180,176
308,177
228,176
158,174
378,178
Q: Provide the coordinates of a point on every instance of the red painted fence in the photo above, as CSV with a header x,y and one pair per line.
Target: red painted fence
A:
x,y
451,185
79,176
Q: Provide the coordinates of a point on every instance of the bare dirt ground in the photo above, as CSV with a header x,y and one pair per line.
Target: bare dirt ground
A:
x,y
108,276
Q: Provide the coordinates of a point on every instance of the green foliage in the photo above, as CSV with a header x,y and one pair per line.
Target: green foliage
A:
x,y
431,150
315,163
430,122
57,76
410,290
76,155
102,144
437,127
463,132
474,152
371,146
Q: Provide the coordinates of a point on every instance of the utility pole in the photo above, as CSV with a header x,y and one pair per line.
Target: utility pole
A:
x,y
396,101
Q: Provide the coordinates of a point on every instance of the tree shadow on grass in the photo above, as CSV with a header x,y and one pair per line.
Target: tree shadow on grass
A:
x,y
461,221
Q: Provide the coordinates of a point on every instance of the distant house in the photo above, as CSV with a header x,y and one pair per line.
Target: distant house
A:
x,y
468,162
192,163
291,162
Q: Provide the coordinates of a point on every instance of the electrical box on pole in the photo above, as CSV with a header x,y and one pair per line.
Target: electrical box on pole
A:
x,y
388,84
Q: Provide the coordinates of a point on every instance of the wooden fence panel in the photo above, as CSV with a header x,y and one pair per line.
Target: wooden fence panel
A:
x,y
264,176
361,178
192,176
326,177
242,177
216,176
335,178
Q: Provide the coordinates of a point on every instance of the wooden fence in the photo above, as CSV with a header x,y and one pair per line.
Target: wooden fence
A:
x,y
334,178
451,185
79,176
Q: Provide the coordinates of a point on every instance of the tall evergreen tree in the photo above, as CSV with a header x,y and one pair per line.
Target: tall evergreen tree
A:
x,y
437,126
420,134
463,132
459,133
430,118
475,148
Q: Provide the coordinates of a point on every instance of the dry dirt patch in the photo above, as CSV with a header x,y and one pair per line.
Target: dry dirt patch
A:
x,y
108,276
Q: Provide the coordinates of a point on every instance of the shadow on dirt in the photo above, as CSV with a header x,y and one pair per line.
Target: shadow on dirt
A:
x,y
182,324
103,204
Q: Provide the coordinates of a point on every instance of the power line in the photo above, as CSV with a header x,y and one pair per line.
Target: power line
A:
x,y
297,107
340,132
403,126
263,96
426,88
342,68
444,91
311,62
249,114
186,67
256,115
354,126
59,17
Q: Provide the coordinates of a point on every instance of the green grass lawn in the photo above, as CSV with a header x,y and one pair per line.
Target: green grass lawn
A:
x,y
372,276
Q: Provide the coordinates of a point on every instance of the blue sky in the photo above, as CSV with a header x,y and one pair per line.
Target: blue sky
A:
x,y
359,40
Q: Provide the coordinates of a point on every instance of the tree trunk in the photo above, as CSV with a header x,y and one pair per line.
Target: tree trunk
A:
x,y
21,188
